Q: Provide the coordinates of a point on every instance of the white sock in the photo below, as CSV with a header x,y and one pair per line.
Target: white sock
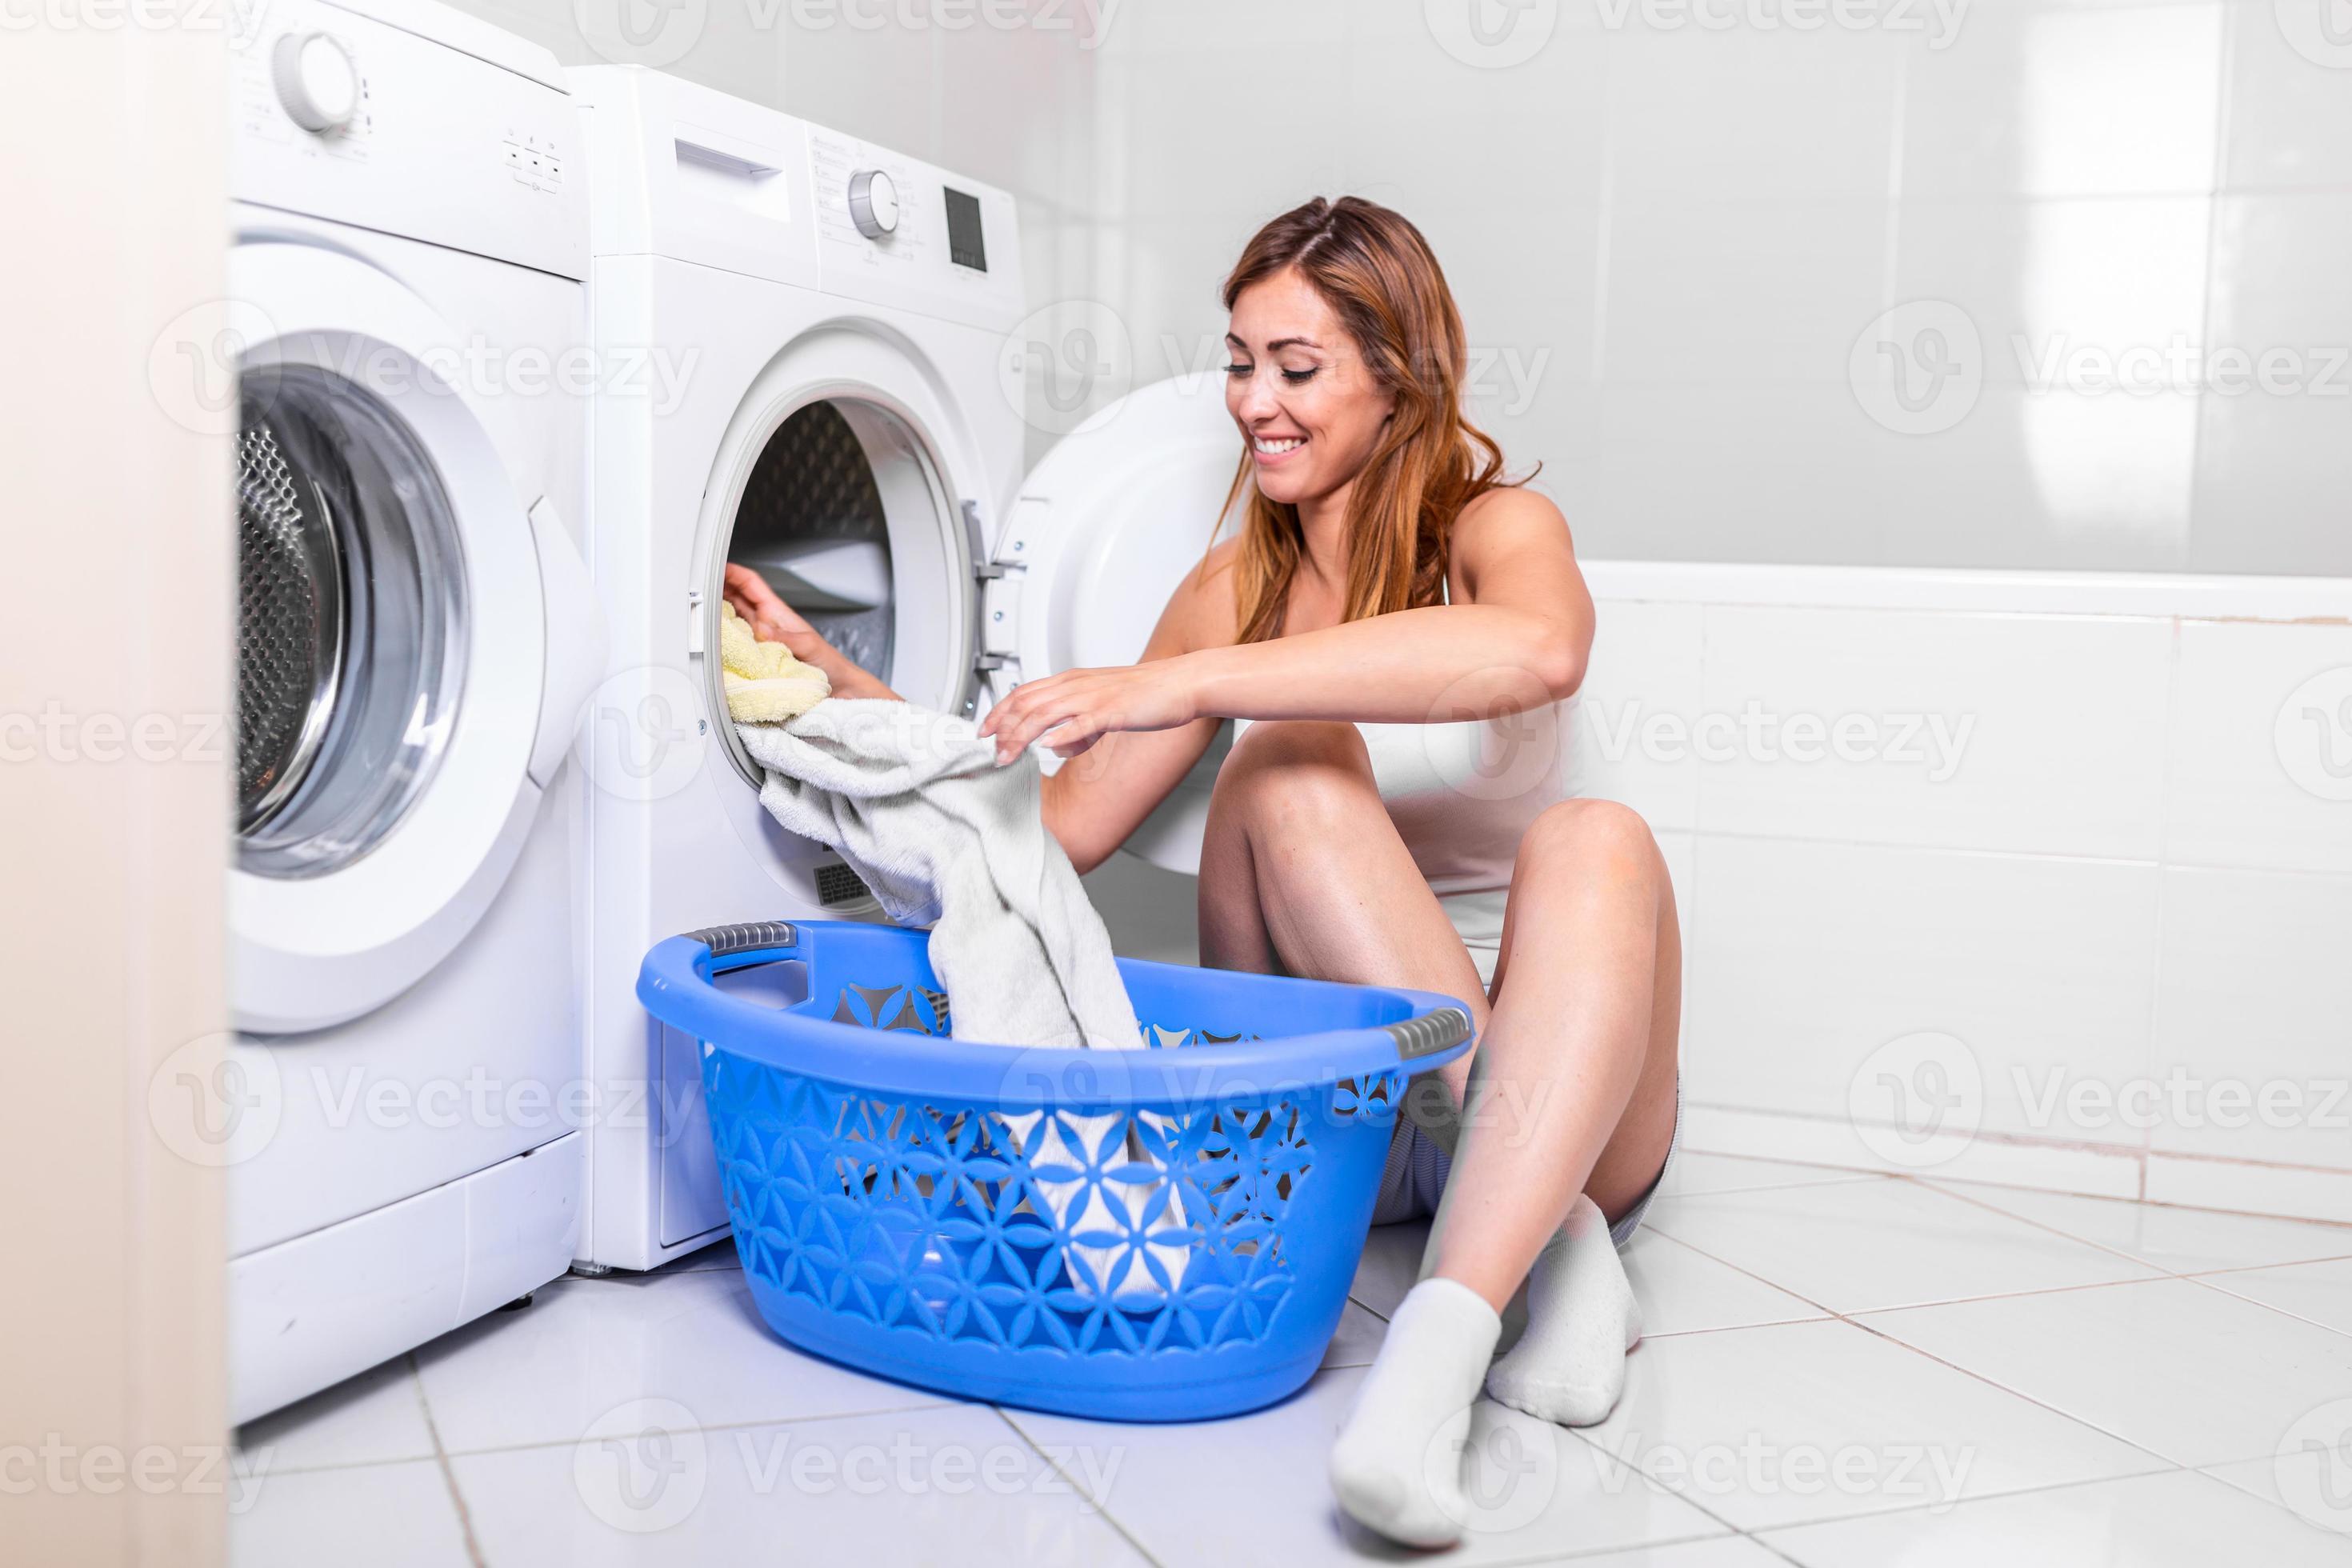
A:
x,y
1570,1366
1397,1467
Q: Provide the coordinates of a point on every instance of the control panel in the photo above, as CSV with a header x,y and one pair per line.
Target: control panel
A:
x,y
341,115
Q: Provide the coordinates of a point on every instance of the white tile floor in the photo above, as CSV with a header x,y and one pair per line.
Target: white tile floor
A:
x,y
1841,1368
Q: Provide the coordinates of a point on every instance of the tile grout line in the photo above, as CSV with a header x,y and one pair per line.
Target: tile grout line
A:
x,y
2119,1252
717,1426
2208,1282
441,1457
1102,1505
1877,1332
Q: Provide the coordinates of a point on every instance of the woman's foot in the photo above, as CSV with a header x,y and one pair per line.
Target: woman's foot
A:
x,y
1570,1366
1397,1467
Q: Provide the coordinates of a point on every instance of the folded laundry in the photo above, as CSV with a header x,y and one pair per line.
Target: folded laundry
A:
x,y
914,800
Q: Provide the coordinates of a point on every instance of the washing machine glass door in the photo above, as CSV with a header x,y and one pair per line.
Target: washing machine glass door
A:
x,y
391,664
352,621
853,487
1105,527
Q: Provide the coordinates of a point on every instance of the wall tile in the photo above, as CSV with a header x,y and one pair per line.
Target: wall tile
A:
x,y
2041,100
1724,293
1645,663
1752,115
2260,765
2024,762
2254,1017
1807,959
2290,116
2049,284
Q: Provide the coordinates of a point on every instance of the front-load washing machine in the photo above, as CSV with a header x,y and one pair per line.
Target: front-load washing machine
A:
x,y
399,1111
833,396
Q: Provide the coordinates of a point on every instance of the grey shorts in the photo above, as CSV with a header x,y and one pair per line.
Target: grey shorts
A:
x,y
1414,1176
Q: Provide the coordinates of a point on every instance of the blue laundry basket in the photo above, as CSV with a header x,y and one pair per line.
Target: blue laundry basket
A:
x,y
1159,1234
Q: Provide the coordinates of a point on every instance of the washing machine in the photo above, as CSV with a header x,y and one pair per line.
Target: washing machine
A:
x,y
838,361
417,634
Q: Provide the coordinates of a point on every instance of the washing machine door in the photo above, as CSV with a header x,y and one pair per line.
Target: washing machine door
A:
x,y
1104,528
415,641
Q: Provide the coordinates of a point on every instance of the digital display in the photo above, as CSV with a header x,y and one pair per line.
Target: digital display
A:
x,y
966,247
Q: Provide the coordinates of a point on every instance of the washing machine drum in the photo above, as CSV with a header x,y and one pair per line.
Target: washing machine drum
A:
x,y
813,523
351,617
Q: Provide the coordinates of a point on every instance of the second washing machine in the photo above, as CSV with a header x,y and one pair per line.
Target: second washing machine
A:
x,y
834,369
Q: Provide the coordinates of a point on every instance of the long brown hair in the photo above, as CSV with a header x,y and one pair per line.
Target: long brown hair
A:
x,y
1378,274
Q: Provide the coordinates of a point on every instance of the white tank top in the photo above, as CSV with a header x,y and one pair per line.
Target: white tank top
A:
x,y
1463,795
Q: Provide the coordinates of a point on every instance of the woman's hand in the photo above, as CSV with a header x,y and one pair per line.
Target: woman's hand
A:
x,y
1073,710
772,620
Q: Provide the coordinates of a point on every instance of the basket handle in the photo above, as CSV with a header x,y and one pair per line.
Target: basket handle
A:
x,y
1439,1029
750,936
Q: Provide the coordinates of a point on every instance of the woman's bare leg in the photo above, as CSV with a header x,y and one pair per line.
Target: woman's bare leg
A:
x,y
1580,1094
1302,869
1572,1091
1575,1068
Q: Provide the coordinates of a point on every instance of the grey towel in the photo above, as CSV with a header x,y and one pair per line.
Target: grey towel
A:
x,y
914,801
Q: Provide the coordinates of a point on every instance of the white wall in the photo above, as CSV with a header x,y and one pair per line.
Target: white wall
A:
x,y
1670,241
2073,887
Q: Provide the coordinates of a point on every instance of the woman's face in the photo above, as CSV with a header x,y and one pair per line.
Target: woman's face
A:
x,y
1305,400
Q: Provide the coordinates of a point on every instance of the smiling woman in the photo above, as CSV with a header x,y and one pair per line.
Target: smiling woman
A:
x,y
1395,631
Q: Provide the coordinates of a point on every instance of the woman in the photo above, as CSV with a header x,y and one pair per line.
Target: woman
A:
x,y
1392,613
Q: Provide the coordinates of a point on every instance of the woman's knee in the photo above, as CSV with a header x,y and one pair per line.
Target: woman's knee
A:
x,y
1594,835
1296,764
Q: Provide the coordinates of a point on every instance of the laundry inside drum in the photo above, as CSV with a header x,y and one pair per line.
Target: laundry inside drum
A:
x,y
812,523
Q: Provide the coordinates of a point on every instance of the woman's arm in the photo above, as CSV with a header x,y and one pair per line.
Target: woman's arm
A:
x,y
772,620
1520,640
1099,797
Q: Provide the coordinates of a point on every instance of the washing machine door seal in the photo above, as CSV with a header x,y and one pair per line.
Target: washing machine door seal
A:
x,y
325,929
1104,528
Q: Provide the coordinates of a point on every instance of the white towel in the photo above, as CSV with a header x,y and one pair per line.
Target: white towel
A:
x,y
914,800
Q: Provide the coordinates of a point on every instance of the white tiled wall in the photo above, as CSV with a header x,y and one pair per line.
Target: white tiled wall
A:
x,y
1676,236
2129,898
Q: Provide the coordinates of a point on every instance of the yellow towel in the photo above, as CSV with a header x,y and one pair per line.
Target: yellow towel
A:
x,y
765,684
